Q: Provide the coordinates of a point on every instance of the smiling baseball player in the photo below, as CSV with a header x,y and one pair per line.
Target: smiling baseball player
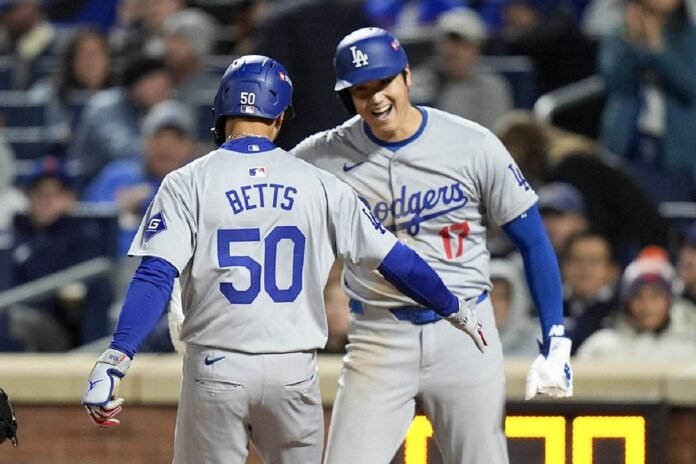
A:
x,y
252,232
431,178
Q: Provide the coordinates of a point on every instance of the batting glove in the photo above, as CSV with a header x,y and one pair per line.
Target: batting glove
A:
x,y
465,320
550,373
100,399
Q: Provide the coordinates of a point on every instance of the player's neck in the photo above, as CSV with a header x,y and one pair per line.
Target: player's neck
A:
x,y
239,135
239,128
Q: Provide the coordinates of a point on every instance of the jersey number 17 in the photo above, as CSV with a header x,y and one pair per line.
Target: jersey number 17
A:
x,y
447,233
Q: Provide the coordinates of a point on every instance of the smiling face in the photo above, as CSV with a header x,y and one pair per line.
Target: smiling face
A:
x,y
385,106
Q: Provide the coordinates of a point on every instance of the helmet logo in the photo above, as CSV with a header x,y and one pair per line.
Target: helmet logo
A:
x,y
359,57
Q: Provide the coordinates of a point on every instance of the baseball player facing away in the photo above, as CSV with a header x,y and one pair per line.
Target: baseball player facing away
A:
x,y
431,178
252,232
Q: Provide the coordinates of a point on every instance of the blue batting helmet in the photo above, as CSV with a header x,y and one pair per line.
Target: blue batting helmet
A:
x,y
253,86
367,54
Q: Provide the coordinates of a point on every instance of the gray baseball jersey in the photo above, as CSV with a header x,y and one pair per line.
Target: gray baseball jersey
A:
x,y
433,193
254,236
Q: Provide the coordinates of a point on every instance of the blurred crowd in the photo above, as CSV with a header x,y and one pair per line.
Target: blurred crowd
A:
x,y
101,99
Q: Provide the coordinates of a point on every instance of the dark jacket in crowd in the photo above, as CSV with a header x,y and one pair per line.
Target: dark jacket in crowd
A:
x,y
39,252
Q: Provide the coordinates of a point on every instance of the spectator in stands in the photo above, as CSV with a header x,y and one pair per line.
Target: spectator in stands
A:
x,y
26,36
168,136
454,80
408,17
139,22
590,275
109,127
602,17
650,75
563,211
85,69
47,240
238,33
189,36
12,201
687,264
653,324
303,36
511,307
100,13
549,35
617,206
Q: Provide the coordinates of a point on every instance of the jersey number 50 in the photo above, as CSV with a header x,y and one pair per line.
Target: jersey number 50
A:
x,y
225,259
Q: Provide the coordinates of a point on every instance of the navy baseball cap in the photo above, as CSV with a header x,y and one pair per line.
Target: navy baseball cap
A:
x,y
561,198
49,167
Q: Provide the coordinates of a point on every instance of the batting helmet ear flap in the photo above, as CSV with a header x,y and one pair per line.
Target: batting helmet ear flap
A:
x,y
347,101
219,131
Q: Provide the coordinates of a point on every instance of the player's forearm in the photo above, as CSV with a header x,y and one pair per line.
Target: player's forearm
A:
x,y
146,299
540,267
405,270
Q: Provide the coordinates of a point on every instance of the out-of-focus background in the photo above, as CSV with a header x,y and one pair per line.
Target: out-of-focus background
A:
x,y
595,100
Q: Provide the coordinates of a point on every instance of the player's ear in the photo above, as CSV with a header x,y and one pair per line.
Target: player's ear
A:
x,y
277,124
406,73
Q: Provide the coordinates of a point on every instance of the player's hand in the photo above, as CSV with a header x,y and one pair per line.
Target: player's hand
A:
x,y
551,374
100,399
465,320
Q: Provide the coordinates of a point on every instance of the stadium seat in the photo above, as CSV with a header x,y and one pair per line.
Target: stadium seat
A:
x,y
22,124
16,110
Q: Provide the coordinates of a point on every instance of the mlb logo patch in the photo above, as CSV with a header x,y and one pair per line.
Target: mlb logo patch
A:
x,y
257,172
246,109
155,225
395,44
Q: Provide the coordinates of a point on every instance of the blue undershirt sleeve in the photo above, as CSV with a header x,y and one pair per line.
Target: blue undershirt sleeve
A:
x,y
405,270
147,297
527,232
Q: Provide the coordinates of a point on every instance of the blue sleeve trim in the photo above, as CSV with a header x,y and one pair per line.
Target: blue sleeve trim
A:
x,y
405,270
527,232
147,297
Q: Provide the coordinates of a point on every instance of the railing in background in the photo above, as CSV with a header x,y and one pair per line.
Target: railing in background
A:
x,y
49,284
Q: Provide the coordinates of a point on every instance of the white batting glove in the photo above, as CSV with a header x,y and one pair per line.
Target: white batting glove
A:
x,y
465,320
175,318
102,388
551,374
